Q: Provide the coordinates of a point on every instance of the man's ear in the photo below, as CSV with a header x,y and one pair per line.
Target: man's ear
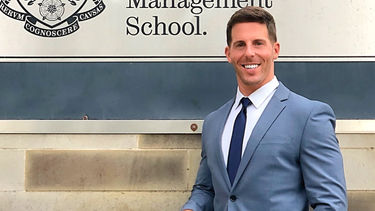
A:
x,y
227,54
276,50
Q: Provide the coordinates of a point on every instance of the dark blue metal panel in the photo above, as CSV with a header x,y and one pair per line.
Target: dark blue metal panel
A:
x,y
348,87
167,90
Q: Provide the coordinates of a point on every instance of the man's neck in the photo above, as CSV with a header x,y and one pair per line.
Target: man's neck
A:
x,y
248,90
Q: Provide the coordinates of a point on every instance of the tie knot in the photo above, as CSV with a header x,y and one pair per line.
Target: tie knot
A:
x,y
245,102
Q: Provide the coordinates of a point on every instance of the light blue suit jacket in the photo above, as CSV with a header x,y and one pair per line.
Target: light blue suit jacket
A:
x,y
292,161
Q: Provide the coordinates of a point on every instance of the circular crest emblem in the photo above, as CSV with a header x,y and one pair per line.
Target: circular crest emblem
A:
x,y
51,9
52,18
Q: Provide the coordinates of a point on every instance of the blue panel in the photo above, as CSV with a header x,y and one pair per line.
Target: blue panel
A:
x,y
167,90
348,87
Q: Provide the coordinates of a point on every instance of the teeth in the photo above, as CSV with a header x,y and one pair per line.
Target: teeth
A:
x,y
251,66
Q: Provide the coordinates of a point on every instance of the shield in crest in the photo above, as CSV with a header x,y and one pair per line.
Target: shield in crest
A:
x,y
52,13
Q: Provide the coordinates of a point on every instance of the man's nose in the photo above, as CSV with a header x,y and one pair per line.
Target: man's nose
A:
x,y
249,51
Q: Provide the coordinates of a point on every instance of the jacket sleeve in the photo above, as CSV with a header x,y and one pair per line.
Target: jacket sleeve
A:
x,y
321,161
202,195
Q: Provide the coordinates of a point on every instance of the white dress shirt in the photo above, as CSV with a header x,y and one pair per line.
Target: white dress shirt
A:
x,y
260,99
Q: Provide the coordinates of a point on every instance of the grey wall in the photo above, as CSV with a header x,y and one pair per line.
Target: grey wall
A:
x,y
168,90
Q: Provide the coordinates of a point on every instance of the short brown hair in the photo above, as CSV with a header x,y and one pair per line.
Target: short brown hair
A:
x,y
252,14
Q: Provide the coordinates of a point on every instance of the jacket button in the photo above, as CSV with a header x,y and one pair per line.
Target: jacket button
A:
x,y
233,198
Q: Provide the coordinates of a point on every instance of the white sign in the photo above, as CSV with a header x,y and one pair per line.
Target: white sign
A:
x,y
178,30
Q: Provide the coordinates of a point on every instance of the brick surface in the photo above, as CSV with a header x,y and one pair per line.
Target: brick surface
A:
x,y
67,141
12,165
128,201
359,168
361,200
106,170
92,201
194,160
170,141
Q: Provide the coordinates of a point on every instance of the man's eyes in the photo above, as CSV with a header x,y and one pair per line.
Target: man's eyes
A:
x,y
240,44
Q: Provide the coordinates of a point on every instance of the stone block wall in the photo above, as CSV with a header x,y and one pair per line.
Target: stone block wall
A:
x,y
132,172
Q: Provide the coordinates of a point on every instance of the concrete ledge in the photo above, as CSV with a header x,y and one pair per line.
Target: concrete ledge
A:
x,y
88,170
355,126
142,126
102,126
68,141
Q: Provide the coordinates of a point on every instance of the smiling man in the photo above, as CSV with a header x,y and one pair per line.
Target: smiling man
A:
x,y
267,148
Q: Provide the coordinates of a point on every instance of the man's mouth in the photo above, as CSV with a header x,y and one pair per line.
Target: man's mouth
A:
x,y
250,66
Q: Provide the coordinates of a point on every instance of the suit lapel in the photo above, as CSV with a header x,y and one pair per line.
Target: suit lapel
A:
x,y
269,115
221,119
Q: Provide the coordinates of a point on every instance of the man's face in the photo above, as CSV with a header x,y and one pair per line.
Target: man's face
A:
x,y
252,53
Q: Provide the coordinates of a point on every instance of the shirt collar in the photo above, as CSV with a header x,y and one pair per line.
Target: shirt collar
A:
x,y
260,95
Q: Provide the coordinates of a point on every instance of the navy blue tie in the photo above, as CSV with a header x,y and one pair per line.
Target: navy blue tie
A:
x,y
235,149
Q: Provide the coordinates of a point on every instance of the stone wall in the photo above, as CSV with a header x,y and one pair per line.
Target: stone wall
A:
x,y
132,171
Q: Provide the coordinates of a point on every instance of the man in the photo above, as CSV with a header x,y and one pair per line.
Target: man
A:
x,y
273,150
